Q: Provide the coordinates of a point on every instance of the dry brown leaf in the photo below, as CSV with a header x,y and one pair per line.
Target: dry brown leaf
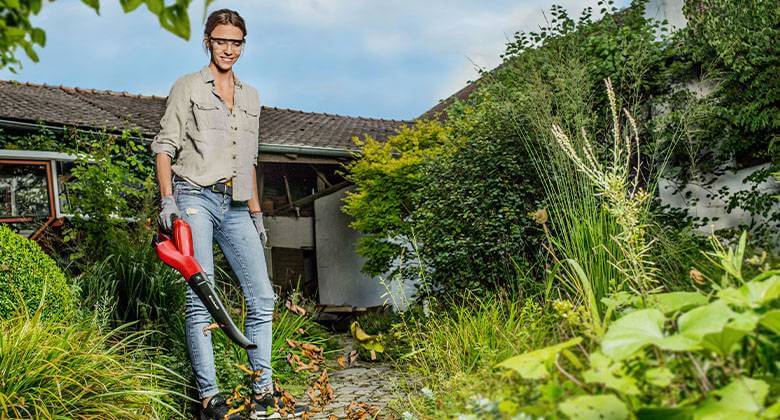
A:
x,y
320,393
342,361
697,276
293,343
333,417
294,308
301,331
360,411
353,356
212,326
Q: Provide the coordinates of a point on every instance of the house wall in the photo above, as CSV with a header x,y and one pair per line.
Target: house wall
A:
x,y
698,199
338,265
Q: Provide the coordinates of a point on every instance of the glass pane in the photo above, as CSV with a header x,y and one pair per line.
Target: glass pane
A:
x,y
24,191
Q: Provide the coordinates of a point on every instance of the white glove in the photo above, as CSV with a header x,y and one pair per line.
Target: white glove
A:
x,y
257,219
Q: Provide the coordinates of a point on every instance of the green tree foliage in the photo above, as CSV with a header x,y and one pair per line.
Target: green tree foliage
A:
x,y
16,30
735,44
30,279
472,217
388,176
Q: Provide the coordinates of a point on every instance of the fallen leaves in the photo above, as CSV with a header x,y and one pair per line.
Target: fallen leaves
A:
x,y
360,411
314,353
320,393
347,361
294,308
285,402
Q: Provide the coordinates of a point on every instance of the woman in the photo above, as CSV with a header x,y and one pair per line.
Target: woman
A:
x,y
210,133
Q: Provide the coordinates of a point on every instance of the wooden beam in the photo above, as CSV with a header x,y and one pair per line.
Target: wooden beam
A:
x,y
321,176
310,198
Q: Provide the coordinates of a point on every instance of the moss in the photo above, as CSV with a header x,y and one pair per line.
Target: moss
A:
x,y
26,273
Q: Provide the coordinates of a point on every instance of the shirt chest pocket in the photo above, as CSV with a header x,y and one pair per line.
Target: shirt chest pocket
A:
x,y
250,120
208,116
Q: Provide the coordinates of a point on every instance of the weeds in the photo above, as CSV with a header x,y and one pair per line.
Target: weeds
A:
x,y
66,371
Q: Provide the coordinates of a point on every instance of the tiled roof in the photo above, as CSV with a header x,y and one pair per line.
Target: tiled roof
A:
x,y
97,109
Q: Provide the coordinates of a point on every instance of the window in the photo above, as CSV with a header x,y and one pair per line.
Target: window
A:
x,y
25,191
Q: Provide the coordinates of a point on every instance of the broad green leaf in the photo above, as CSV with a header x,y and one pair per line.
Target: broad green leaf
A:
x,y
589,407
38,36
658,413
12,4
676,301
28,49
630,333
704,320
94,4
753,294
742,398
533,365
35,6
724,341
744,321
604,371
659,376
773,412
130,5
771,321
679,342
155,6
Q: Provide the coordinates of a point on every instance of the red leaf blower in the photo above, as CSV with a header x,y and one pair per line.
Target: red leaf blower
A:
x,y
177,252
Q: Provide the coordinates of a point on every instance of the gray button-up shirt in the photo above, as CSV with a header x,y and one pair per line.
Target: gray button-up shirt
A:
x,y
208,143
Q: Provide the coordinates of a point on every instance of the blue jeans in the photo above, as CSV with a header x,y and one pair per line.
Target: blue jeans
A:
x,y
212,215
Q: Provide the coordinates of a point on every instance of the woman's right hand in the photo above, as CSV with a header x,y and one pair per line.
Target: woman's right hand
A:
x,y
168,209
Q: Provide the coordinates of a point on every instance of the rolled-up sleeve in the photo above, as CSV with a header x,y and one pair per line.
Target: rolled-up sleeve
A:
x,y
172,125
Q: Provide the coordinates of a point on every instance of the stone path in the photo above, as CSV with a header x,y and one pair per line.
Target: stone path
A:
x,y
373,383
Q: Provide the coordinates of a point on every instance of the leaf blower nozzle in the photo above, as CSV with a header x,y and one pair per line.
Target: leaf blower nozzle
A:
x,y
176,251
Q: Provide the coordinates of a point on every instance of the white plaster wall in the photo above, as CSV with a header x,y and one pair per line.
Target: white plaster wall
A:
x,y
703,201
338,265
671,10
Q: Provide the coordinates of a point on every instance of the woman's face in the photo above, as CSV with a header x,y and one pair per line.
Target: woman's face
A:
x,y
225,44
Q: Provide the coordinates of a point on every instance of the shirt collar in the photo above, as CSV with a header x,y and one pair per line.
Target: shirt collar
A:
x,y
205,74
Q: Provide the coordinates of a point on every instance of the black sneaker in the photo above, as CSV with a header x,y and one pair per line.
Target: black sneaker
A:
x,y
272,406
218,409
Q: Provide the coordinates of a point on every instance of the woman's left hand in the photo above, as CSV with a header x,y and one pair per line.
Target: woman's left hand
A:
x,y
257,219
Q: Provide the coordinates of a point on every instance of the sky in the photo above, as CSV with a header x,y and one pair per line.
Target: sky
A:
x,y
391,59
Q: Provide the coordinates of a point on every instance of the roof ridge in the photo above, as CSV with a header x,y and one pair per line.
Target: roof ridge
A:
x,y
76,89
327,114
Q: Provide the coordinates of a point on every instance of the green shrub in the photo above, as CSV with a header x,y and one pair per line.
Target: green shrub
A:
x,y
472,214
677,354
31,278
77,371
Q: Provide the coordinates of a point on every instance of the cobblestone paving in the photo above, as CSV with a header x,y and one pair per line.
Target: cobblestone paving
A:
x,y
369,382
